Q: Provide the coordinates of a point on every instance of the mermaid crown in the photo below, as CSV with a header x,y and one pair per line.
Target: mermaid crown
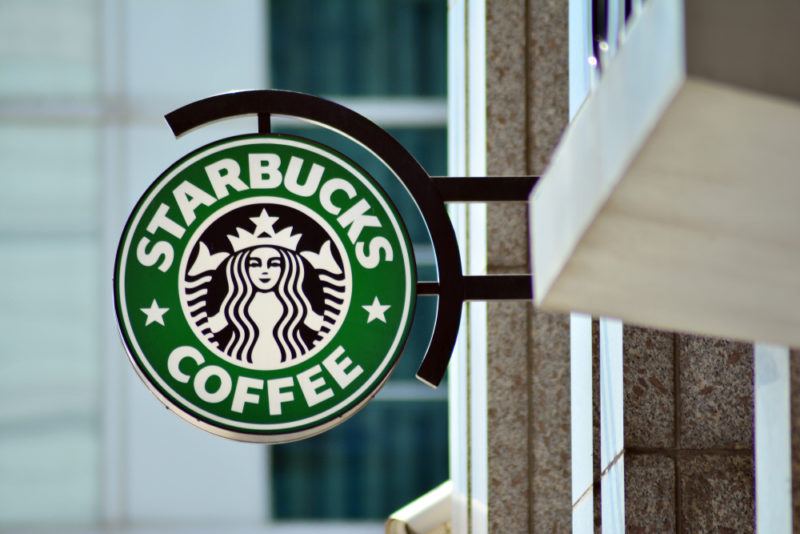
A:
x,y
264,235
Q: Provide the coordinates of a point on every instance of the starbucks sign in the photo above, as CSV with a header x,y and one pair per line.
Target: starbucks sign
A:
x,y
264,287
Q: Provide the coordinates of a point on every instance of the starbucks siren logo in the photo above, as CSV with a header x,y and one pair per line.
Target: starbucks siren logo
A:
x,y
264,287
276,301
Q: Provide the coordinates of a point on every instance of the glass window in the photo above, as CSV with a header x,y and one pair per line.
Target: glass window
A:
x,y
359,47
56,166
49,311
48,48
49,263
49,416
365,468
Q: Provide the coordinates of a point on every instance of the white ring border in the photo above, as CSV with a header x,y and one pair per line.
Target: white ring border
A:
x,y
262,438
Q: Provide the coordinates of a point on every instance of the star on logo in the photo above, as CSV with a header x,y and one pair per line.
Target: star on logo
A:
x,y
264,223
154,314
376,310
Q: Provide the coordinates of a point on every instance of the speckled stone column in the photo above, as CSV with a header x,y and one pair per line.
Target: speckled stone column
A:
x,y
794,399
527,110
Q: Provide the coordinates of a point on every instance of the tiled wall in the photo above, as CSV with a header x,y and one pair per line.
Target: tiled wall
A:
x,y
688,433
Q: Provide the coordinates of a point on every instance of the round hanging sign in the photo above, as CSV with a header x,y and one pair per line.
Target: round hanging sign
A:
x,y
264,287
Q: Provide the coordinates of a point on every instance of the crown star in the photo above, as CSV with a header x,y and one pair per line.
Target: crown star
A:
x,y
264,223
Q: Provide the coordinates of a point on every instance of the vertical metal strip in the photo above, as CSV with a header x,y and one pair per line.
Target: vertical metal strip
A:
x,y
773,440
458,377
580,331
581,428
612,445
475,264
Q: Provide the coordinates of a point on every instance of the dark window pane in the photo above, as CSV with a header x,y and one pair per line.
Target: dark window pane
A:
x,y
359,47
386,456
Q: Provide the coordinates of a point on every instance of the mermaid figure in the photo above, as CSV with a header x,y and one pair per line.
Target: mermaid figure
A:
x,y
265,319
266,306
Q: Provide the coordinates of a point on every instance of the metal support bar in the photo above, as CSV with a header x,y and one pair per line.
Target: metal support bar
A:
x,y
264,123
427,289
498,287
491,287
485,189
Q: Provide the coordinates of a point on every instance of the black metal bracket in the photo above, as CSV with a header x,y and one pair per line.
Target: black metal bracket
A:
x,y
489,287
485,189
430,195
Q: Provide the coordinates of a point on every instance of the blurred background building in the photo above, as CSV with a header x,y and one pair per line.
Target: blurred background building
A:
x,y
84,85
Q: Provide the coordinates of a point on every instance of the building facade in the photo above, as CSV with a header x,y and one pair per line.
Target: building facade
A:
x,y
592,423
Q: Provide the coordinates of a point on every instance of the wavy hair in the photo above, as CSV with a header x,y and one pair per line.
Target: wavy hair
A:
x,y
241,292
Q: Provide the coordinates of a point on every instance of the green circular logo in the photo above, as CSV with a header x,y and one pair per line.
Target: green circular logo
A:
x,y
264,287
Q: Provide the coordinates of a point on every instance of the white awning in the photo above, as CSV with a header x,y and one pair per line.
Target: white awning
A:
x,y
673,200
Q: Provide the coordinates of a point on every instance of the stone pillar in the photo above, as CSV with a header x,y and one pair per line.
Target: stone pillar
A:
x,y
688,433
794,399
527,96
